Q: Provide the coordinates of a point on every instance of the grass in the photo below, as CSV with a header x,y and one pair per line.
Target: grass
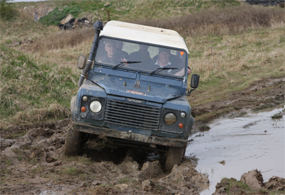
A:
x,y
231,46
72,171
33,91
124,180
230,183
232,62
232,186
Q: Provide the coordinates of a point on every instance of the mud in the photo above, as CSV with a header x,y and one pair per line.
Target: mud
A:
x,y
32,160
34,164
251,183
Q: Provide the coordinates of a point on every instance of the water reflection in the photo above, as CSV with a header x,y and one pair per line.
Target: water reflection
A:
x,y
235,146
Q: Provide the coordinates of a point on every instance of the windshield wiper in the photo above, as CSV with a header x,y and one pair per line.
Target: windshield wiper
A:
x,y
160,69
125,62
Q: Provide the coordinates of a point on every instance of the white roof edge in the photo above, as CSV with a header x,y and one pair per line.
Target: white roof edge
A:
x,y
142,33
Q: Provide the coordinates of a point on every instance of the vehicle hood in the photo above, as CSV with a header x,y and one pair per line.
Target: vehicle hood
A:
x,y
155,91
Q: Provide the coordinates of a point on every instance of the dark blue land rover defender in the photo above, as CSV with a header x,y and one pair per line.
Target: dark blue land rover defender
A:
x,y
132,91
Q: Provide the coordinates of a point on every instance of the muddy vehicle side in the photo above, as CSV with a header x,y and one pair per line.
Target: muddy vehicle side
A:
x,y
127,102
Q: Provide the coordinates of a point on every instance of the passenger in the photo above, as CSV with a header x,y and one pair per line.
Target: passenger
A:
x,y
112,56
164,60
141,55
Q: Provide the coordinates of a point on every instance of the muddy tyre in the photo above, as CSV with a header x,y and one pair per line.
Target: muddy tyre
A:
x,y
73,143
174,156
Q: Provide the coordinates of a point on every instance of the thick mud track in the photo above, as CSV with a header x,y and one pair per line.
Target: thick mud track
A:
x,y
35,164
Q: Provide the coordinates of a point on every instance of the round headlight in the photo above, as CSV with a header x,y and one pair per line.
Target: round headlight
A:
x,y
170,118
95,106
182,114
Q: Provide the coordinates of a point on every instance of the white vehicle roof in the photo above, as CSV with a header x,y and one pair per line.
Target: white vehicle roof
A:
x,y
146,34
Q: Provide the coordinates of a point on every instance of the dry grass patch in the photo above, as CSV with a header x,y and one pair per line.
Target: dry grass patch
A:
x,y
60,40
34,115
221,21
22,27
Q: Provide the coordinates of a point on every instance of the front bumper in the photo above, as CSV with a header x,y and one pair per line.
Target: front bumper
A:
x,y
143,139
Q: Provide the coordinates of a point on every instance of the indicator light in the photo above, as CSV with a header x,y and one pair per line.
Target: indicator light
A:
x,y
83,109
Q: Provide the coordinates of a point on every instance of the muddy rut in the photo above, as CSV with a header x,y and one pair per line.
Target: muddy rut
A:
x,y
35,164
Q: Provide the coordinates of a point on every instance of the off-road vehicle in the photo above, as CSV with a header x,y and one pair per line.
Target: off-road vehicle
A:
x,y
128,99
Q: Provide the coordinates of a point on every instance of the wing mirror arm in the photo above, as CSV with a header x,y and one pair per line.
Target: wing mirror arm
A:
x,y
194,83
190,91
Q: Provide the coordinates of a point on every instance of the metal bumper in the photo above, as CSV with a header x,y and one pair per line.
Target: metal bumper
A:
x,y
145,139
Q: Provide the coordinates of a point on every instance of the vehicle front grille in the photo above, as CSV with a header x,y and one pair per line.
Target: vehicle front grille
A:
x,y
132,114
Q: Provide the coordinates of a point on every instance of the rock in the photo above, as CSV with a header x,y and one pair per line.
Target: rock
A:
x,y
65,20
253,179
147,185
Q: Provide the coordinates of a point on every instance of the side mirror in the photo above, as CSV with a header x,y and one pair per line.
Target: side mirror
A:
x,y
81,61
194,81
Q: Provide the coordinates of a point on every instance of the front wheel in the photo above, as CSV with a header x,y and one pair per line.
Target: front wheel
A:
x,y
74,143
174,156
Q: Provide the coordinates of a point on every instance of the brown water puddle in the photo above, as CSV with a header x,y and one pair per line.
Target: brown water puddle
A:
x,y
235,146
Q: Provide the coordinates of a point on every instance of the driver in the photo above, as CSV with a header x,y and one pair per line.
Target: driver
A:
x,y
112,55
165,59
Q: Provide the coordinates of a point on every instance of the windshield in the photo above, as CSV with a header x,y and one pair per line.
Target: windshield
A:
x,y
141,57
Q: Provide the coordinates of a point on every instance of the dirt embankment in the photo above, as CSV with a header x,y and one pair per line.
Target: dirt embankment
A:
x,y
39,11
264,94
